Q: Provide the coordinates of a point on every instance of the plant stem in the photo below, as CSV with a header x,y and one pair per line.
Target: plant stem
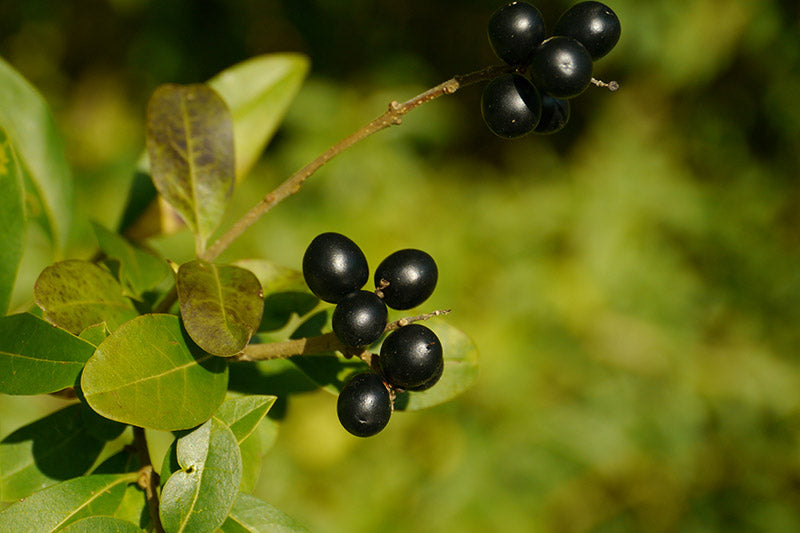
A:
x,y
392,116
321,344
148,479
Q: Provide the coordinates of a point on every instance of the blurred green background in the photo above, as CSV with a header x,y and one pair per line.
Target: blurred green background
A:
x,y
632,283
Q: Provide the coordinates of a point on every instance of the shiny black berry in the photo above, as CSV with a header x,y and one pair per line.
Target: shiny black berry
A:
x,y
359,318
515,31
593,25
334,266
411,356
561,67
411,276
511,106
364,405
431,382
555,114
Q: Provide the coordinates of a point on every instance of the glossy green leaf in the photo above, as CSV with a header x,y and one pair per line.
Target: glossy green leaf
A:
x,y
250,514
199,497
77,294
133,507
55,507
101,524
95,334
258,93
221,305
37,358
149,373
190,145
140,270
12,218
242,415
33,457
27,121
253,449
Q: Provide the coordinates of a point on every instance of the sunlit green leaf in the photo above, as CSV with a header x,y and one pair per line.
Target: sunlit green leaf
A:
x,y
27,121
258,92
37,358
55,507
251,514
12,218
149,373
101,524
77,294
199,497
190,145
221,306
242,415
34,456
253,449
140,270
95,334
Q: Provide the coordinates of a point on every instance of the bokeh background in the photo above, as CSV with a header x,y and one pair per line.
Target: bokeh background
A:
x,y
632,283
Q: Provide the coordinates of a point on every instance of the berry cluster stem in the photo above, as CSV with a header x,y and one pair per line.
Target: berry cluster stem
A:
x,y
391,117
321,344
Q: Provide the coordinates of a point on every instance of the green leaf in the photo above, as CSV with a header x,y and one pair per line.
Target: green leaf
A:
x,y
242,415
251,514
190,145
101,524
95,334
37,358
258,93
253,449
199,497
149,373
12,218
33,457
57,506
140,270
221,306
77,294
27,121
460,370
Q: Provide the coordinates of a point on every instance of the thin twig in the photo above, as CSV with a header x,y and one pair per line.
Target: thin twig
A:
x,y
392,116
148,479
321,344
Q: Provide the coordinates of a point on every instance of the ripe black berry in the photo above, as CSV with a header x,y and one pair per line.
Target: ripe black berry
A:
x,y
411,276
511,106
515,31
555,114
364,405
411,356
561,67
334,266
593,25
359,318
432,381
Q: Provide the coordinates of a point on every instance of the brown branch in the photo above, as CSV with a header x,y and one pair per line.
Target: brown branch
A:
x,y
148,479
392,116
321,344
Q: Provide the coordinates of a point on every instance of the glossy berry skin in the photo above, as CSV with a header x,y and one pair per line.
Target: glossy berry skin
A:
x,y
511,106
432,381
412,276
515,30
592,24
561,67
364,405
359,318
334,266
411,356
555,114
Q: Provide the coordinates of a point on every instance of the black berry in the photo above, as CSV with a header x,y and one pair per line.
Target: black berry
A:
x,y
411,276
561,67
359,318
555,114
334,266
511,106
364,405
432,381
593,25
515,31
411,356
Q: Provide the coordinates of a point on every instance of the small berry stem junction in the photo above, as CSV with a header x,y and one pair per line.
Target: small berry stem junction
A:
x,y
391,117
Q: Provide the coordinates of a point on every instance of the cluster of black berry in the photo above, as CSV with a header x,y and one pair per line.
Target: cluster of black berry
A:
x,y
411,358
559,67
